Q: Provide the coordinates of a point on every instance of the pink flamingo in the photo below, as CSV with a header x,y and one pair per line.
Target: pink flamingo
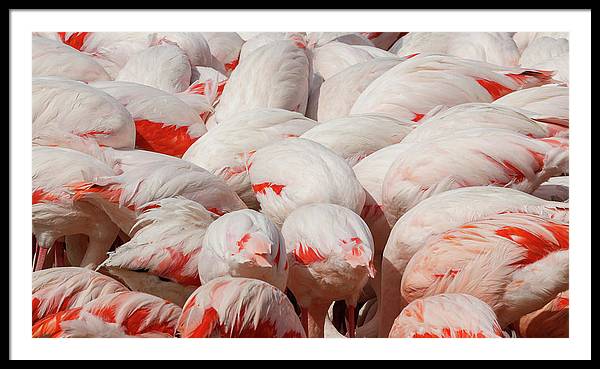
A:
x,y
225,150
163,123
548,105
514,262
281,186
439,214
363,134
477,157
238,307
330,252
273,76
63,107
551,321
59,289
243,243
162,256
415,86
53,58
492,47
56,213
451,315
146,176
121,314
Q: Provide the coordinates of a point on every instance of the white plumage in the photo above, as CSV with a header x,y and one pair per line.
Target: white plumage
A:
x,y
516,263
174,64
295,172
164,123
53,58
471,116
59,289
356,136
122,314
56,214
112,50
225,150
162,256
273,76
339,92
476,157
243,243
144,176
548,104
238,307
492,47
451,315
330,252
413,87
439,214
225,47
62,107
334,57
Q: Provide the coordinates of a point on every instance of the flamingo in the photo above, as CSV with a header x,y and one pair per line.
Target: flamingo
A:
x,y
469,116
143,177
272,76
172,62
438,214
111,50
204,91
476,157
516,263
58,289
492,47
362,135
318,39
224,150
248,35
243,243
450,315
56,213
548,105
265,38
551,321
330,253
193,44
238,307
280,186
161,258
559,65
121,314
415,86
163,123
417,181
62,107
225,47
523,39
339,92
384,40
371,172
543,48
550,54
53,58
334,57
554,189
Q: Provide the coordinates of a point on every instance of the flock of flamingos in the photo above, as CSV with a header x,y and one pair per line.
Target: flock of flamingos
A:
x,y
337,185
